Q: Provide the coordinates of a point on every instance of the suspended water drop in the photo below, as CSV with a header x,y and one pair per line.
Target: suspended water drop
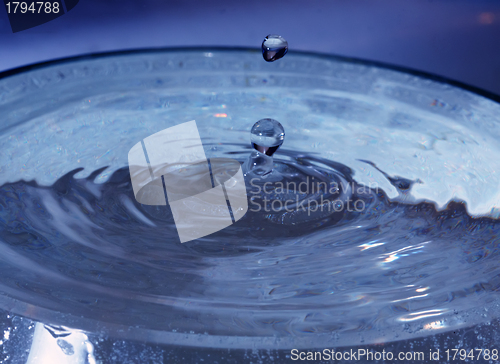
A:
x,y
274,47
267,135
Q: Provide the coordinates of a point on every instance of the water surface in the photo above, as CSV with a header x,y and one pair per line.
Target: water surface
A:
x,y
421,257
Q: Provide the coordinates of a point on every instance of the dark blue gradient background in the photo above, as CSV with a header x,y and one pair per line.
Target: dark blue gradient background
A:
x,y
458,39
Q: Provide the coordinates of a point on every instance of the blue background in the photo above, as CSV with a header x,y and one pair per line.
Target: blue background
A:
x,y
457,39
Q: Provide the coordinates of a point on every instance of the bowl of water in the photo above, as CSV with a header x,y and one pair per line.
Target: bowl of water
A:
x,y
373,225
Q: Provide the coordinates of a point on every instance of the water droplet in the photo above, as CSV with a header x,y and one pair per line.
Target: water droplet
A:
x,y
274,47
66,347
267,135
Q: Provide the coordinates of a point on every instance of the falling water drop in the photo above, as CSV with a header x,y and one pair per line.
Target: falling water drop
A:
x,y
274,47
